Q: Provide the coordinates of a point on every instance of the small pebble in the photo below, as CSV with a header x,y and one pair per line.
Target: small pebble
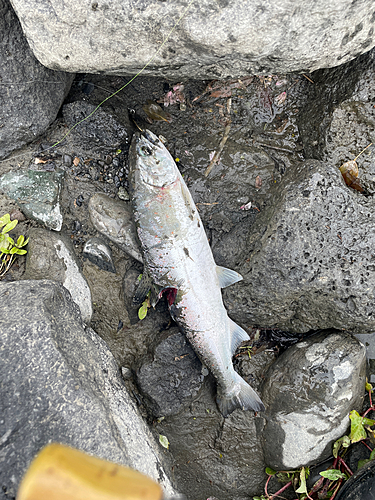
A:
x,y
123,194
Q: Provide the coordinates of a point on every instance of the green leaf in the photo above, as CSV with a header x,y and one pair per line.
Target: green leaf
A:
x,y
270,471
163,440
344,441
302,478
4,220
20,241
357,431
368,386
24,243
10,240
4,250
140,277
18,251
142,311
333,474
11,225
372,456
361,463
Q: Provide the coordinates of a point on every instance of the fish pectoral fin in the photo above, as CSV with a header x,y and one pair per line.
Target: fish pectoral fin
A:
x,y
227,276
238,335
142,289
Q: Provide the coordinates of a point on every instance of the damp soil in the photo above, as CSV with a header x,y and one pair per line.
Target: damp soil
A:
x,y
262,117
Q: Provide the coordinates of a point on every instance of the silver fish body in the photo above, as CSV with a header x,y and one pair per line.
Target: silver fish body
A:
x,y
178,257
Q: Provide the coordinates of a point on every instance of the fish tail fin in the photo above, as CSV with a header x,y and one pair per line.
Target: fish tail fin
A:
x,y
243,397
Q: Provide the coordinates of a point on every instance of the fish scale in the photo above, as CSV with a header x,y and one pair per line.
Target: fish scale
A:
x,y
178,258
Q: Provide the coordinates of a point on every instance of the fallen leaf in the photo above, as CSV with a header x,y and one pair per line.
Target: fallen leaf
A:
x,y
39,160
258,182
246,207
76,161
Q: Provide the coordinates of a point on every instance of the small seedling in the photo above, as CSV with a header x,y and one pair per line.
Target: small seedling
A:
x,y
8,248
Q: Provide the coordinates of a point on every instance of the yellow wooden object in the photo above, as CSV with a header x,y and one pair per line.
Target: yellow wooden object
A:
x,y
62,473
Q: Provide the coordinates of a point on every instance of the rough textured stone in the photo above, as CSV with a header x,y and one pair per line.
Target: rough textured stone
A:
x,y
99,253
38,194
100,131
30,94
51,256
114,219
338,121
309,392
212,39
308,262
173,377
60,383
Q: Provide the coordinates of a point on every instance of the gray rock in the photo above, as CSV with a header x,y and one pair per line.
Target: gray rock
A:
x,y
30,94
51,256
60,383
114,219
172,378
309,392
101,130
37,193
99,253
212,40
308,262
338,122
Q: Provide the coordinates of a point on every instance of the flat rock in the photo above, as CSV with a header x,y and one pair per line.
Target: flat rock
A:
x,y
30,94
172,378
308,263
308,393
60,383
99,253
37,193
114,219
212,40
51,256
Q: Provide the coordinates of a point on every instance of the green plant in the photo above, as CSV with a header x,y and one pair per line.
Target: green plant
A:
x,y
361,430
8,248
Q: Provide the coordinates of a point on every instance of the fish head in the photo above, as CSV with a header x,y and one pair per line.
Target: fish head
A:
x,y
155,165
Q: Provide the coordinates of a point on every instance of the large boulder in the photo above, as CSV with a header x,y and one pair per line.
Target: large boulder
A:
x,y
212,39
309,392
30,94
59,382
308,263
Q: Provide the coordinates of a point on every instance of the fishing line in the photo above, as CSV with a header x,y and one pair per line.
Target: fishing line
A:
x,y
117,91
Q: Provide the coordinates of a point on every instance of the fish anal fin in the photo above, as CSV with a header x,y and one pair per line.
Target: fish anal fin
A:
x,y
243,397
238,335
227,276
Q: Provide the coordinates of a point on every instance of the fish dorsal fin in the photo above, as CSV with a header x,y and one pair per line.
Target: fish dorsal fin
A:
x,y
238,335
227,276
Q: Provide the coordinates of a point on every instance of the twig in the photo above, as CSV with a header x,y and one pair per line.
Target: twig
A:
x,y
273,147
222,142
307,78
218,152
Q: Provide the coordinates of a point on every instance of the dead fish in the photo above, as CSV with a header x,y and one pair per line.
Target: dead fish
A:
x,y
178,258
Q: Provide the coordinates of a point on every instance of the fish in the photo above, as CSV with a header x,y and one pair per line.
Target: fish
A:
x,y
178,258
